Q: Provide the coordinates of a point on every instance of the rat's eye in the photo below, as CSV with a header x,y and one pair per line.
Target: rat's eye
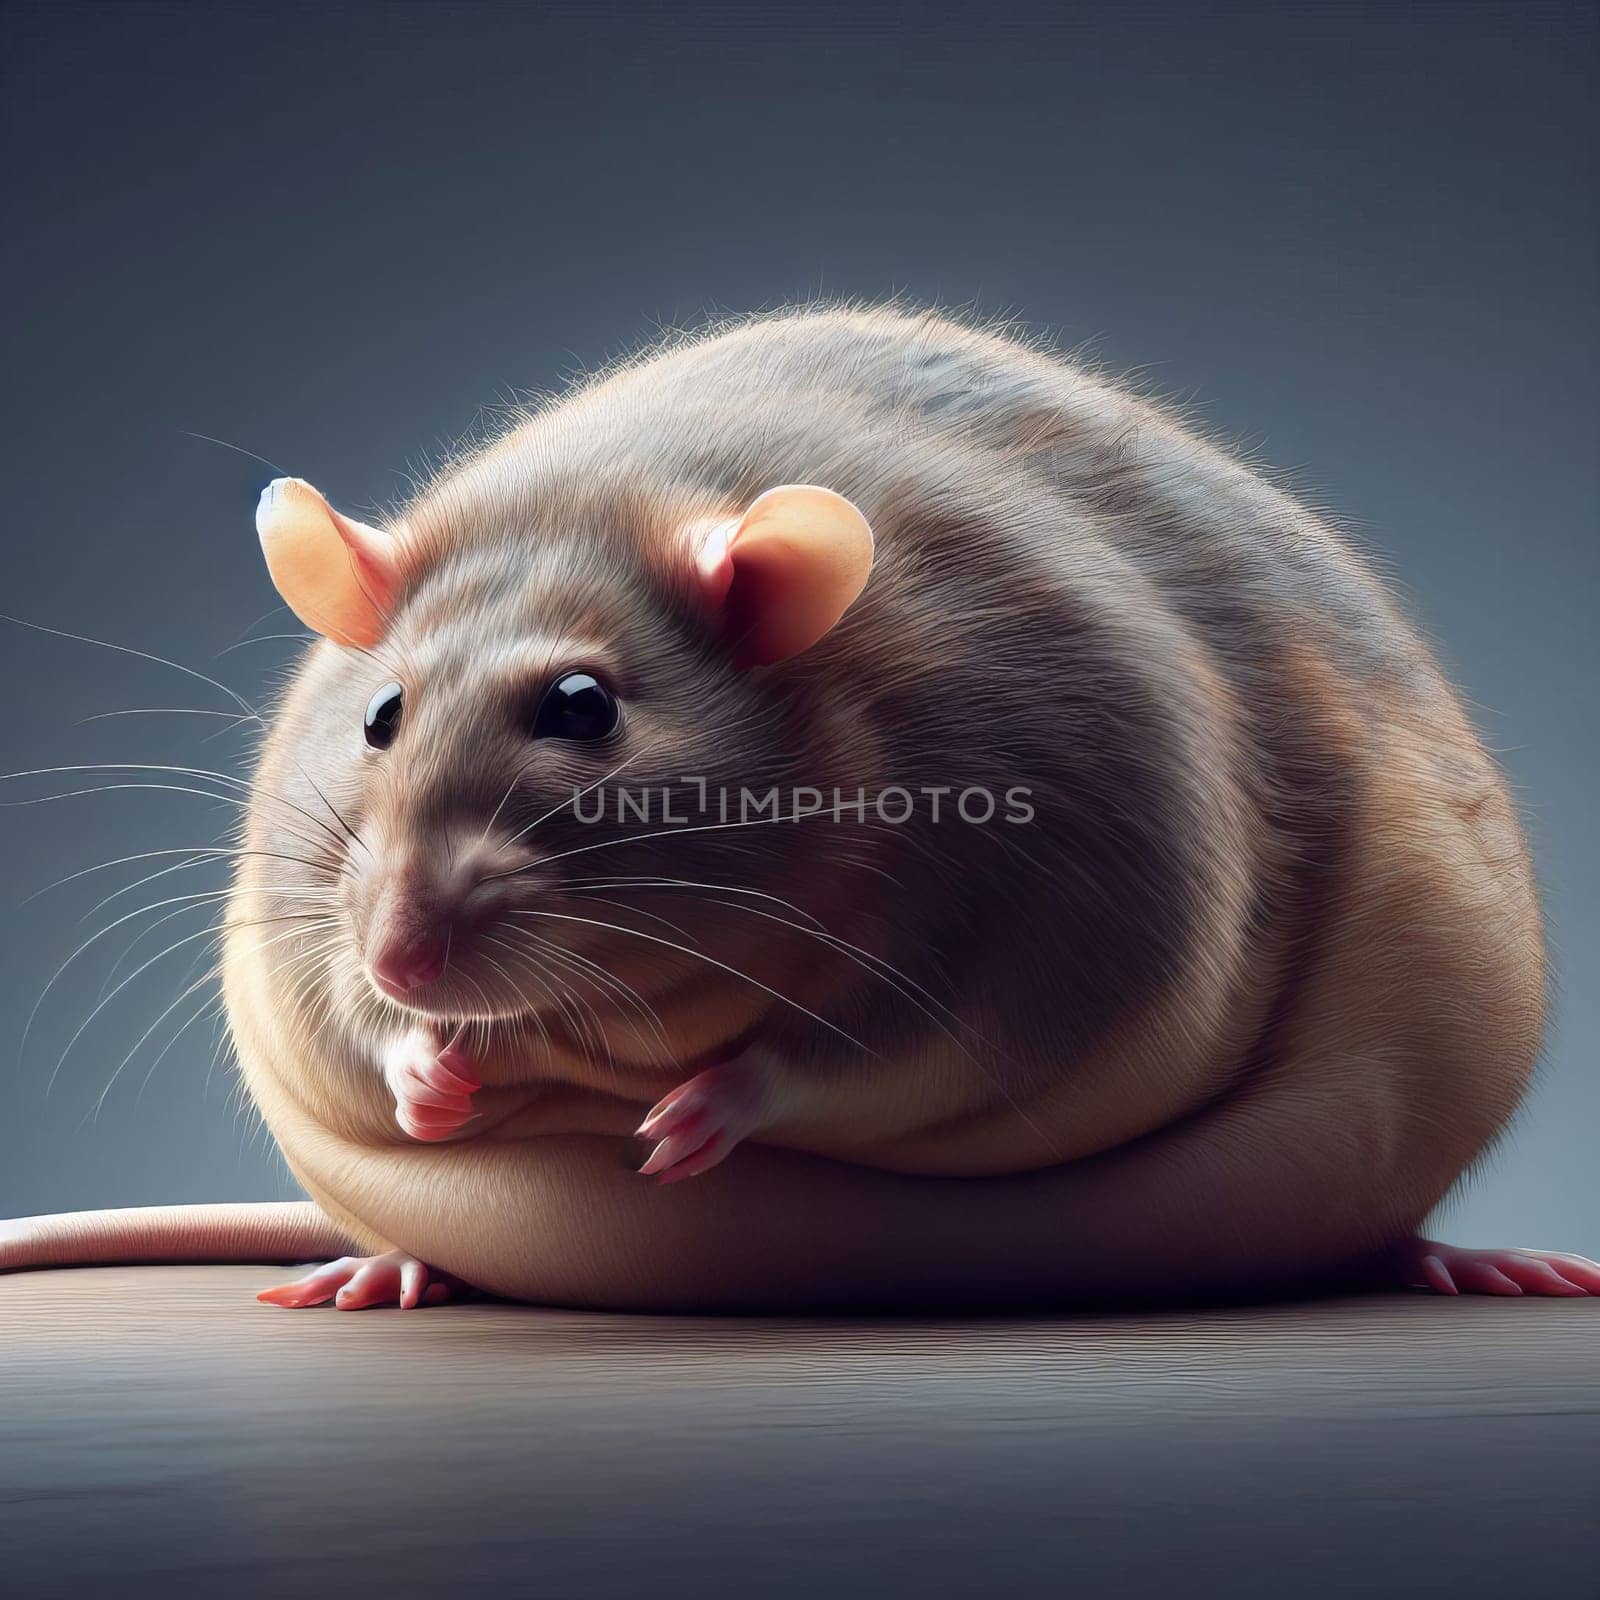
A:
x,y
577,706
383,716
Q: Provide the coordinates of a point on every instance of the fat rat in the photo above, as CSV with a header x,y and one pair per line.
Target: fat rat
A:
x,y
1206,955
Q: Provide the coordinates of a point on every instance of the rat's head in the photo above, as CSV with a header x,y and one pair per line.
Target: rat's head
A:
x,y
494,763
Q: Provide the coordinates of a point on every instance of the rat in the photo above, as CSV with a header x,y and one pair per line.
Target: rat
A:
x,y
978,838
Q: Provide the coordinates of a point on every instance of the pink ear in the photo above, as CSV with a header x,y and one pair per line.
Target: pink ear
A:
x,y
339,576
784,573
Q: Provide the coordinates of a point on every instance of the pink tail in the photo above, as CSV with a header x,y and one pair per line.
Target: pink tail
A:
x,y
293,1230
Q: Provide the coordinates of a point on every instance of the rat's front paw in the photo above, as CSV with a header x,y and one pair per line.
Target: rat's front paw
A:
x,y
696,1125
432,1084
355,1282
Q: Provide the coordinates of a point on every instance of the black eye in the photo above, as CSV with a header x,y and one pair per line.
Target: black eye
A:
x,y
383,716
576,707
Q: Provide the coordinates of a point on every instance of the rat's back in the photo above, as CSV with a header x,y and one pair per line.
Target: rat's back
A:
x,y
889,404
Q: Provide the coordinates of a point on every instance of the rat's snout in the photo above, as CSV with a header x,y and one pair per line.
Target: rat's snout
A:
x,y
418,912
407,946
409,934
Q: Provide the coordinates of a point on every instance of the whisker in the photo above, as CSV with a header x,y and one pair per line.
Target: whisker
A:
x,y
113,971
660,833
867,959
167,1012
198,854
609,983
876,966
95,938
355,838
241,800
689,883
530,1013
210,929
215,1004
303,637
494,816
139,883
160,711
700,955
562,997
121,861
239,448
578,794
618,905
244,705
312,900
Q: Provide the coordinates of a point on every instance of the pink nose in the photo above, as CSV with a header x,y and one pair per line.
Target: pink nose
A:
x,y
399,968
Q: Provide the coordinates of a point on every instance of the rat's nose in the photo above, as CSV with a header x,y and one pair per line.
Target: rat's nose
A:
x,y
418,908
402,964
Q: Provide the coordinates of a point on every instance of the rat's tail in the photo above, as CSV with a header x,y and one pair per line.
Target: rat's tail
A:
x,y
293,1230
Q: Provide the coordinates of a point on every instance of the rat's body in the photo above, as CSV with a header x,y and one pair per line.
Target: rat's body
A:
x,y
1255,978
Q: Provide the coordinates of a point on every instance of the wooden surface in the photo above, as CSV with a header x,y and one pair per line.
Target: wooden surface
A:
x,y
160,1432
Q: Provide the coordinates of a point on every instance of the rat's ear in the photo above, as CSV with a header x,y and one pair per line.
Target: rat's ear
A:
x,y
784,573
337,575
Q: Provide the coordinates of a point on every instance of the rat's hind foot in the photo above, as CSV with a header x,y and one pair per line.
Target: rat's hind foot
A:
x,y
432,1084
355,1282
1447,1269
696,1125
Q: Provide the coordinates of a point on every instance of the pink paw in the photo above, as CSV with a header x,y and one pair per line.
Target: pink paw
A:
x,y
1448,1269
432,1084
696,1125
355,1282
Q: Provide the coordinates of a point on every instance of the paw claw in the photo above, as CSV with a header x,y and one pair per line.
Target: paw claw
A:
x,y
452,1065
669,1118
709,1155
664,1154
312,1288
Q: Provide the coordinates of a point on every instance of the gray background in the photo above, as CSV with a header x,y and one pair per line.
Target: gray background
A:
x,y
1363,239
